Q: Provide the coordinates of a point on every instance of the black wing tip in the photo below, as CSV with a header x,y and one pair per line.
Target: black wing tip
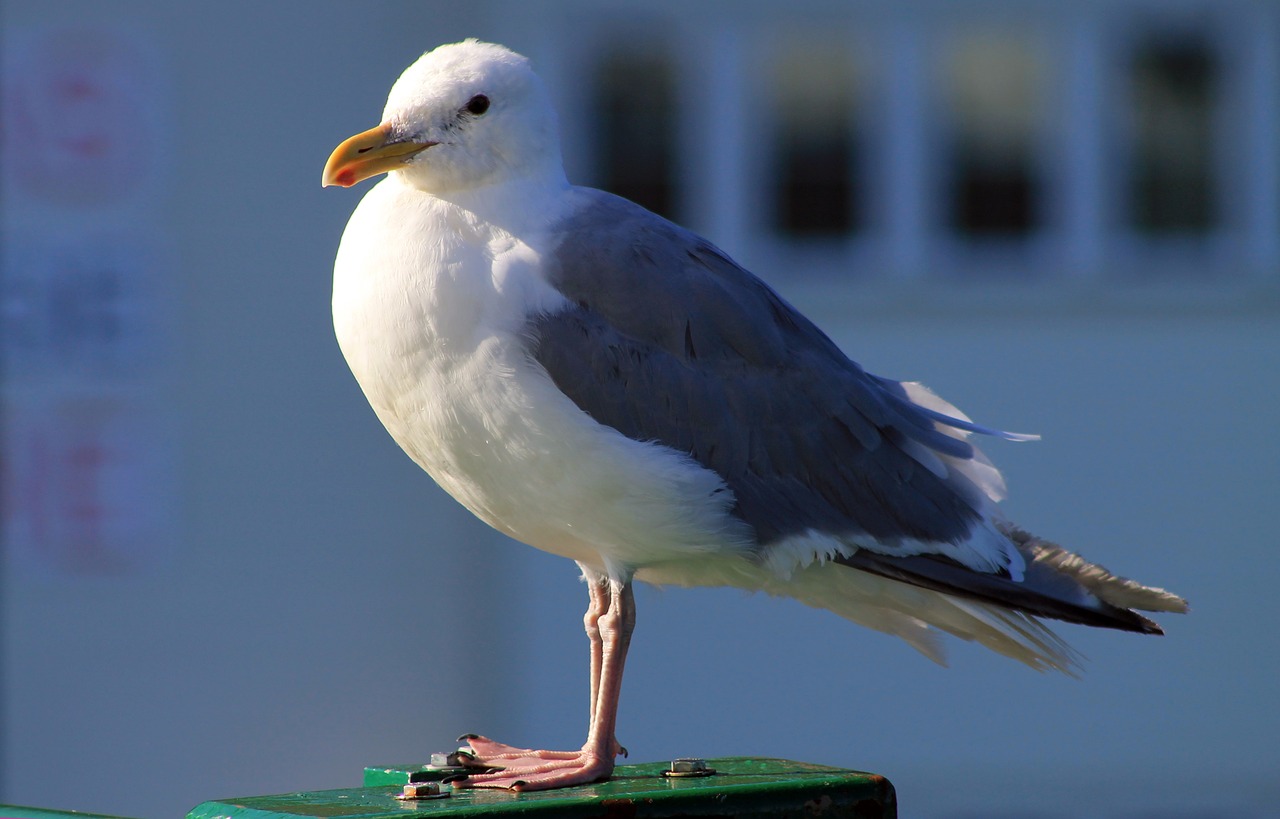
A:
x,y
1130,620
944,575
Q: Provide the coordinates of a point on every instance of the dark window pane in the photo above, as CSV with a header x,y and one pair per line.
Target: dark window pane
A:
x,y
992,197
814,160
635,94
1171,154
814,184
994,86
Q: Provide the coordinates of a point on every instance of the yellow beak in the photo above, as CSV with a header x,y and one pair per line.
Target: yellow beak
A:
x,y
368,154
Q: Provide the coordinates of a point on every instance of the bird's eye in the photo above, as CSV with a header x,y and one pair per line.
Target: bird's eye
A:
x,y
478,105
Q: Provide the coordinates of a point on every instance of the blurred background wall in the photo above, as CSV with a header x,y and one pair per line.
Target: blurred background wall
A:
x,y
222,578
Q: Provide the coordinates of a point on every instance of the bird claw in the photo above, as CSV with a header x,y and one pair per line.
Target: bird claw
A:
x,y
498,765
540,770
486,752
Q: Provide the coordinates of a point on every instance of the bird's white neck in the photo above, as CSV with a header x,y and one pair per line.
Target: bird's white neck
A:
x,y
516,204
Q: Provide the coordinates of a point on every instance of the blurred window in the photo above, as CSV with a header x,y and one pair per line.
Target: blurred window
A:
x,y
634,92
926,147
1170,147
814,170
994,108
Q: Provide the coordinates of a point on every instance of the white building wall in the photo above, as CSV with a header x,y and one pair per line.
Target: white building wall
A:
x,y
310,611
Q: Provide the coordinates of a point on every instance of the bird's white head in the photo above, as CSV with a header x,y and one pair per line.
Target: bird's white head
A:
x,y
462,117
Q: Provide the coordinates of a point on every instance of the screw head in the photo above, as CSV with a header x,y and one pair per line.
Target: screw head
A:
x,y
688,767
421,790
450,762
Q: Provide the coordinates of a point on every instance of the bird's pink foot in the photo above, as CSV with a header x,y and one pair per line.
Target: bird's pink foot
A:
x,y
542,770
528,769
491,754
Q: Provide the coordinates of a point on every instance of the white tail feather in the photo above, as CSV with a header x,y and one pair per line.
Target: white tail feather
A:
x,y
1107,587
889,606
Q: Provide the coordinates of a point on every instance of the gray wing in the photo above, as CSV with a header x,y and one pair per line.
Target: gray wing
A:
x,y
668,340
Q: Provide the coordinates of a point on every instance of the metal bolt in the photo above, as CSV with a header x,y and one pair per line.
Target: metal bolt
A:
x,y
688,767
443,766
422,790
453,759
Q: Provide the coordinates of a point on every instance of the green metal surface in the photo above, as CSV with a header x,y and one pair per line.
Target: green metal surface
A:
x,y
19,812
742,786
377,776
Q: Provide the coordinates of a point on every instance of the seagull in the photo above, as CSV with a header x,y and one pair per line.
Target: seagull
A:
x,y
602,384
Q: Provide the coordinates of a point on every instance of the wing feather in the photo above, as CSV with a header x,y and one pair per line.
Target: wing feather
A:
x,y
668,340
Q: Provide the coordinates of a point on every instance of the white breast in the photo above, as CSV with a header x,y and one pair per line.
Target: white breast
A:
x,y
430,305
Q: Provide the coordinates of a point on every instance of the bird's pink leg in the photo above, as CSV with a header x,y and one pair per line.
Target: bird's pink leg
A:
x,y
598,605
497,753
609,621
